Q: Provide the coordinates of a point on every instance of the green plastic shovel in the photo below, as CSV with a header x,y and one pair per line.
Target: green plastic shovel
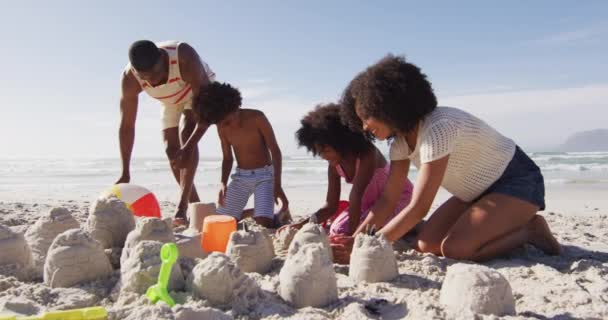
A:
x,y
168,256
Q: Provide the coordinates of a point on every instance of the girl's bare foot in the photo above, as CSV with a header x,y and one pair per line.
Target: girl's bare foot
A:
x,y
540,236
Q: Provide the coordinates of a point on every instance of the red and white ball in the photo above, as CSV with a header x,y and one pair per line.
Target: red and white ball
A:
x,y
138,199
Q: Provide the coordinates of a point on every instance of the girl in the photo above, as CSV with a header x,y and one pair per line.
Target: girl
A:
x,y
497,189
352,157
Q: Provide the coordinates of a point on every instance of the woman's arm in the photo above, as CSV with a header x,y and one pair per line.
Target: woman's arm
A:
x,y
428,182
385,206
364,174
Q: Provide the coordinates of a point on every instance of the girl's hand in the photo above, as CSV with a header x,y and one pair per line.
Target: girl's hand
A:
x,y
297,226
341,246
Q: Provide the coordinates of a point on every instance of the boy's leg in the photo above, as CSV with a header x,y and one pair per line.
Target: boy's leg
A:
x,y
493,226
435,229
237,195
264,203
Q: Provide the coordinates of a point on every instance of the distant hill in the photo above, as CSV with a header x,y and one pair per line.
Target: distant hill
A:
x,y
593,140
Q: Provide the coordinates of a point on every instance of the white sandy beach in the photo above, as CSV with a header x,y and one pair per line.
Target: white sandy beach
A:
x,y
573,285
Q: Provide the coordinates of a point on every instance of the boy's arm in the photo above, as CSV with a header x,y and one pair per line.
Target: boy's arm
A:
x,y
227,159
227,162
275,152
361,181
130,90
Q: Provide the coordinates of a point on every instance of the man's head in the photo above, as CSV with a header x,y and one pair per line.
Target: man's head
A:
x,y
216,102
146,59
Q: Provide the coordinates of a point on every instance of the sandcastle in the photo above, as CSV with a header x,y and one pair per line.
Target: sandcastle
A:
x,y
251,250
110,221
284,238
310,233
189,244
75,257
308,277
372,259
140,270
147,229
197,212
14,250
220,281
477,289
40,236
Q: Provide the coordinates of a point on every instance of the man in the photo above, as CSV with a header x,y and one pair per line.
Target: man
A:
x,y
173,73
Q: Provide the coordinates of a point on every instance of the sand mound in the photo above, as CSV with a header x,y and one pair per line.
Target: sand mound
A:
x,y
184,313
477,289
189,244
147,229
372,259
308,278
310,233
40,236
251,250
15,255
75,257
140,270
110,221
218,280
284,238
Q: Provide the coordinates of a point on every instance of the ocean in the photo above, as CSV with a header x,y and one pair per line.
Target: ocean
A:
x,y
28,179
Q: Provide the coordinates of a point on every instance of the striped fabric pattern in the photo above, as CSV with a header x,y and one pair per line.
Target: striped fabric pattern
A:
x,y
244,183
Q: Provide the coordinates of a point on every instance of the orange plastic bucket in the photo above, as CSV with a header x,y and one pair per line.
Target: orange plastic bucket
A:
x,y
216,232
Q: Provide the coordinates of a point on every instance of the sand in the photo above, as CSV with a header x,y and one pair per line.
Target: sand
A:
x,y
40,236
574,285
283,239
372,260
110,221
308,278
218,280
309,233
475,289
15,253
75,257
147,229
140,270
251,250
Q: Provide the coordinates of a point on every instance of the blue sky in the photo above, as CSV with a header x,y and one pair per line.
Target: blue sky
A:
x,y
536,71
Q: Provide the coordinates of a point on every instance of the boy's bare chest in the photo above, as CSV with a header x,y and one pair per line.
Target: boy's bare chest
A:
x,y
243,137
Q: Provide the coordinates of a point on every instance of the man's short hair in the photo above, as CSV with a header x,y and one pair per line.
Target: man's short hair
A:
x,y
143,55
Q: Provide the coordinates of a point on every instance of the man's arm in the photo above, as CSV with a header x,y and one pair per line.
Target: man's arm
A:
x,y
130,90
193,72
275,152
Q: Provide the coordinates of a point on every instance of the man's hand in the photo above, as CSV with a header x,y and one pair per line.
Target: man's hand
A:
x,y
221,199
279,194
124,178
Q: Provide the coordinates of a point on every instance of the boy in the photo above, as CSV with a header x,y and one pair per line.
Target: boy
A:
x,y
248,134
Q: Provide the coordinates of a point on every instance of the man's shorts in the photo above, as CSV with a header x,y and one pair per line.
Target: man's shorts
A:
x,y
170,115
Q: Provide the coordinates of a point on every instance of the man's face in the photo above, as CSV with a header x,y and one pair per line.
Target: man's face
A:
x,y
229,120
156,75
